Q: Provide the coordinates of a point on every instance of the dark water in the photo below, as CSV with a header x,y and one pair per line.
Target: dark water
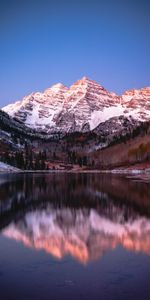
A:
x,y
74,236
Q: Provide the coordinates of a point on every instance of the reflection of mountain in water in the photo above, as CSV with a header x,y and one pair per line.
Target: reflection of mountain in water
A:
x,y
84,234
82,216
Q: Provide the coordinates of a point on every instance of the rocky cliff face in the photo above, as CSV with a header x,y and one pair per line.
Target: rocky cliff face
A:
x,y
78,108
137,103
85,106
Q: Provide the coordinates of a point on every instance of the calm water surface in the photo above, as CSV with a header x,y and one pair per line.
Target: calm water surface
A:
x,y
74,236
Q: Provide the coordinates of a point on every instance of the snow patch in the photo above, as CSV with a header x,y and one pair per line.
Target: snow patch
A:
x,y
98,117
7,168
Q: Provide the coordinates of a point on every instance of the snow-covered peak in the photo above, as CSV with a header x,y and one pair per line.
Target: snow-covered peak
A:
x,y
56,88
82,107
85,78
86,82
137,98
133,92
139,93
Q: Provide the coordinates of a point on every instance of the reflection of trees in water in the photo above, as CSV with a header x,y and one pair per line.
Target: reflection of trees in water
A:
x,y
103,192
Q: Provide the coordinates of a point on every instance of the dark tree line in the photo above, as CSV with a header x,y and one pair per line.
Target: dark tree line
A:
x,y
74,158
26,160
142,129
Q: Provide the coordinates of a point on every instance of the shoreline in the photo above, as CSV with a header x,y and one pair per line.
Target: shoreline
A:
x,y
106,171
137,169
138,175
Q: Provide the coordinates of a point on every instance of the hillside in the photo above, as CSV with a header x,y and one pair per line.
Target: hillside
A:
x,y
124,153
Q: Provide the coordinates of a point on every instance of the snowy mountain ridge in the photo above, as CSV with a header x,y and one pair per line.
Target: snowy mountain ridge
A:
x,y
82,107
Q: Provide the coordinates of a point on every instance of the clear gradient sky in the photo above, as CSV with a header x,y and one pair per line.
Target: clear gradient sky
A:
x,y
45,42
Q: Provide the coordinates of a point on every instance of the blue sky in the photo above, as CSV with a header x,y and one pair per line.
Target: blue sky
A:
x,y
45,42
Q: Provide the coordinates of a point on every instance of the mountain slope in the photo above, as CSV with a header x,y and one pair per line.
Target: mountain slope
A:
x,y
137,103
18,141
80,108
125,149
11,130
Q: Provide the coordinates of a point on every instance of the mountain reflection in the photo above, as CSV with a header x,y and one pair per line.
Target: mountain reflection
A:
x,y
81,216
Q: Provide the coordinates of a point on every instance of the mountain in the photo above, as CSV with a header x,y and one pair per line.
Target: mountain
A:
x,y
82,107
71,125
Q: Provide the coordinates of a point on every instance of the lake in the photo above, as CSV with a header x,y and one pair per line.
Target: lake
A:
x,y
74,236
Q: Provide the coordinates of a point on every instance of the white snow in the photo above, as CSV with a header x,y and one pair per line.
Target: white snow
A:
x,y
107,113
99,106
7,168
